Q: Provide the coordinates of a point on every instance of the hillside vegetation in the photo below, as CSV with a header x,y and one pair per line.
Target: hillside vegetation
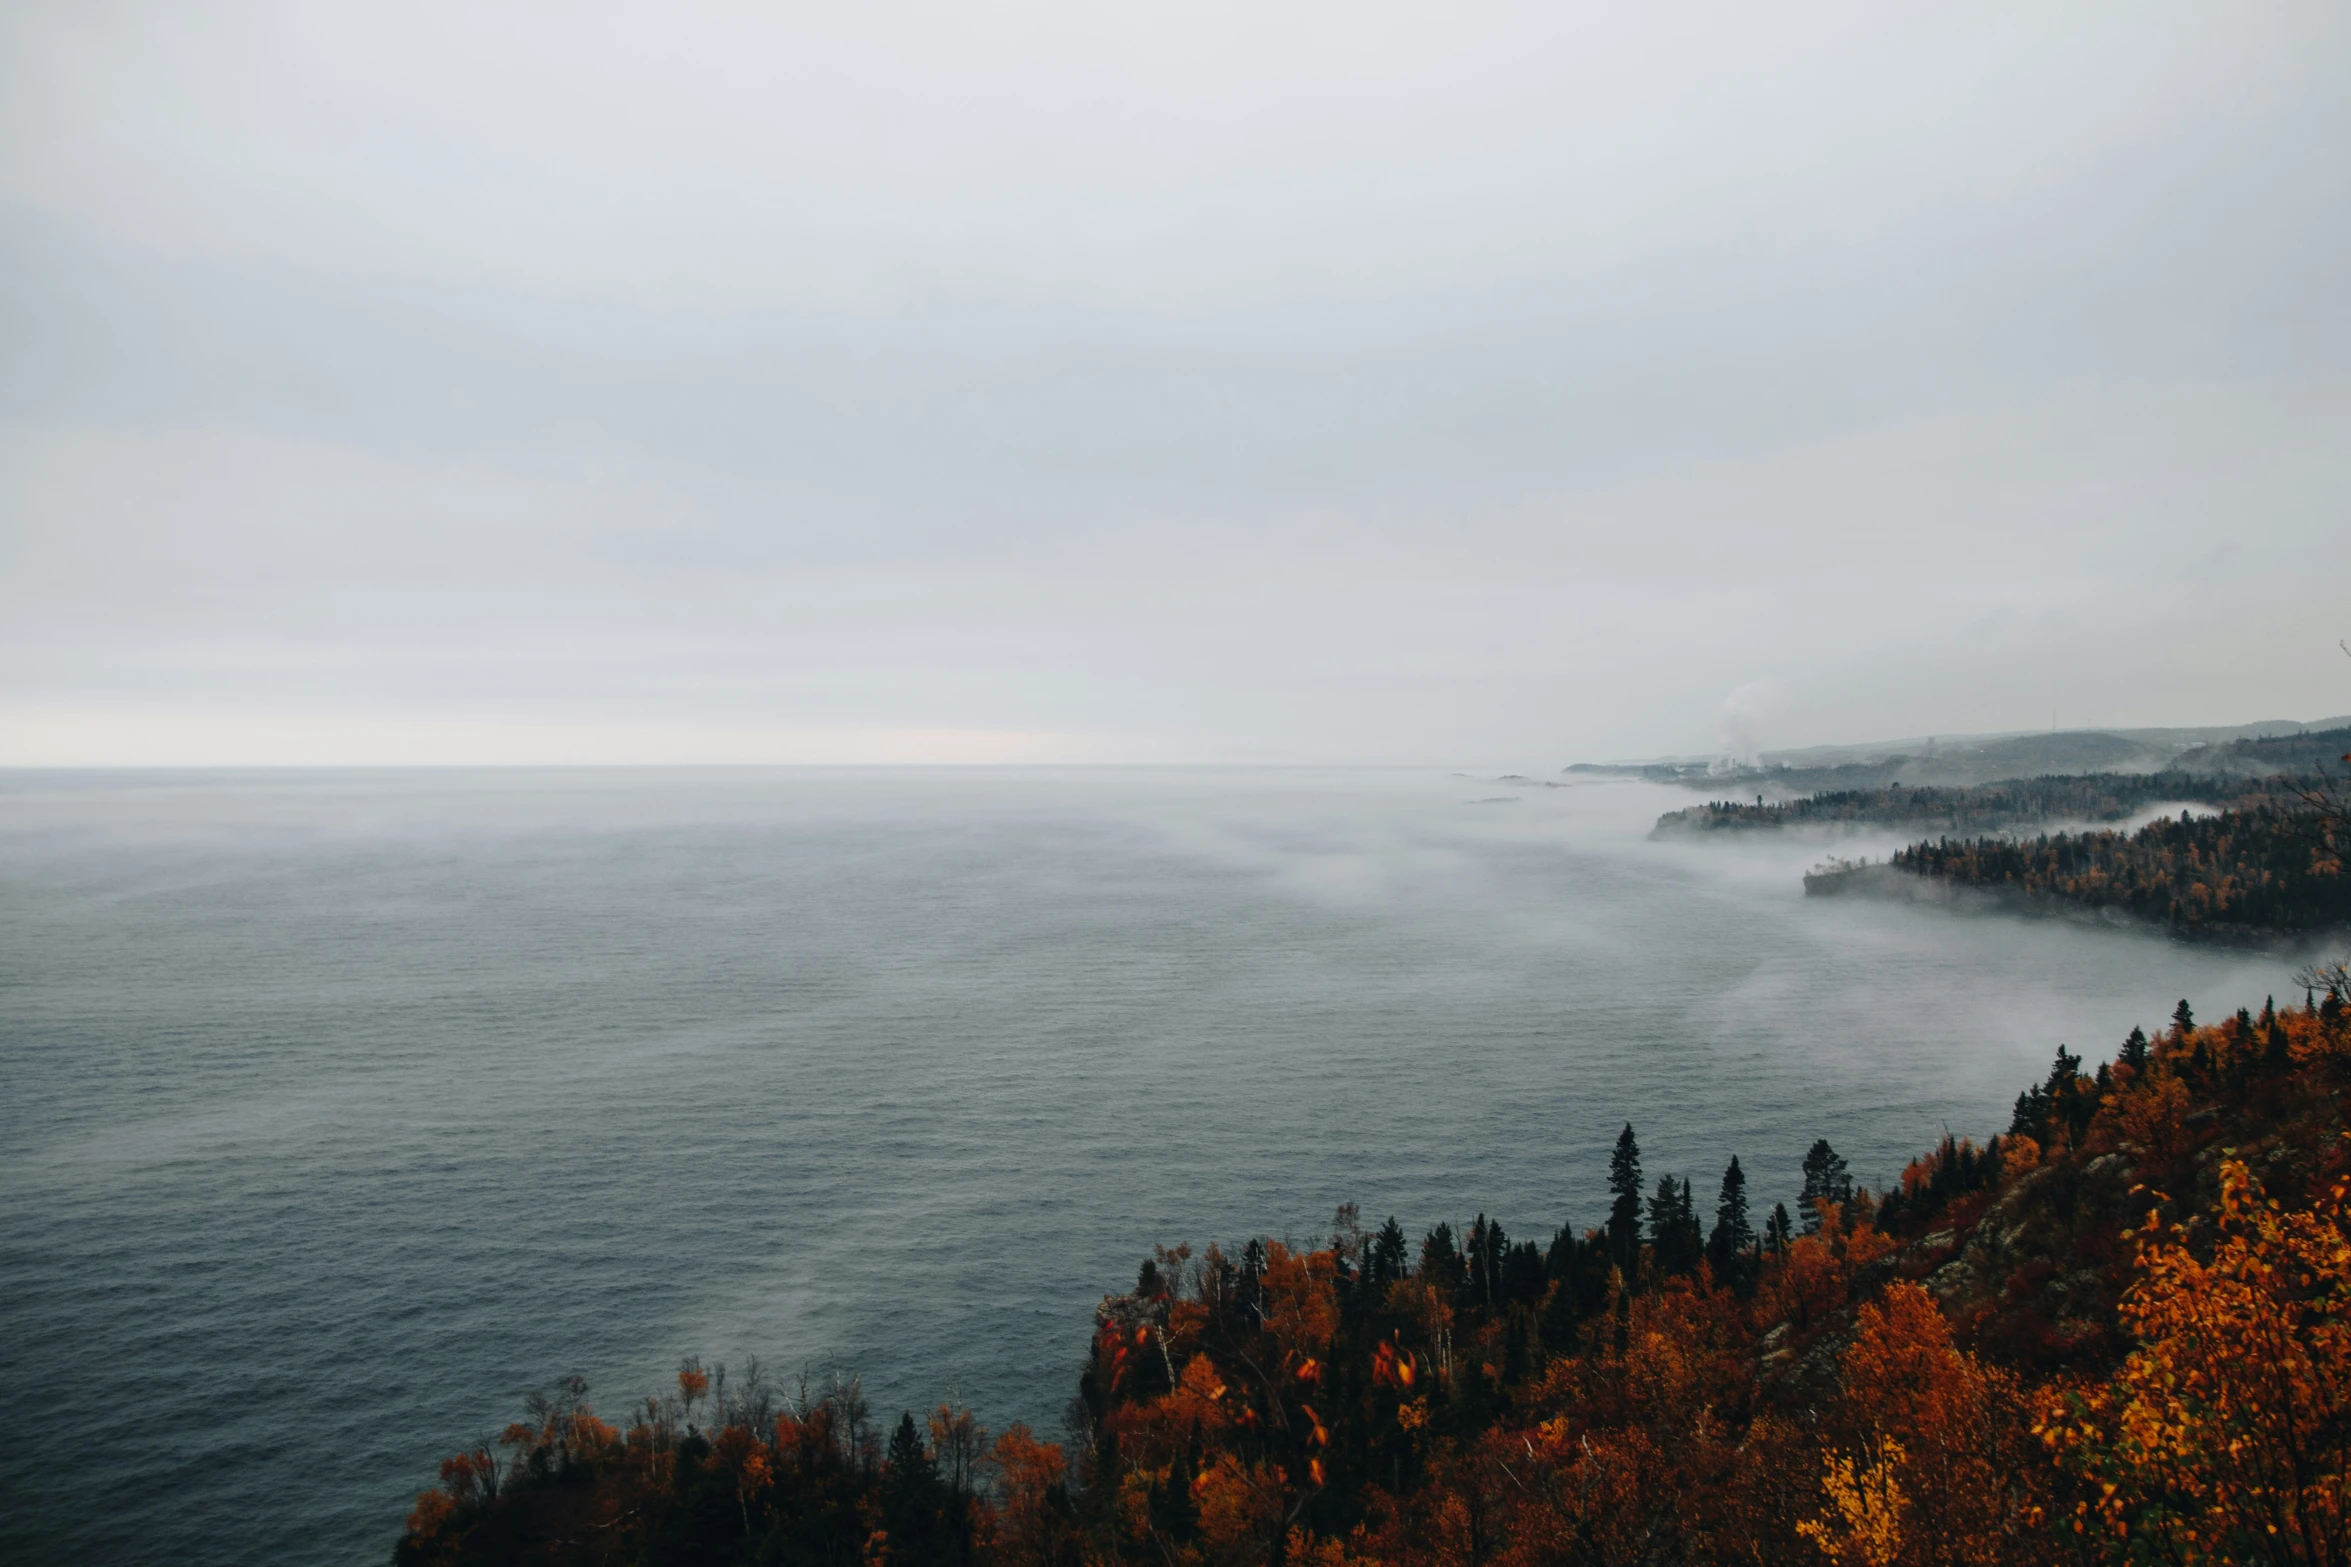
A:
x,y
2272,863
2094,797
1966,762
2116,1332
2240,873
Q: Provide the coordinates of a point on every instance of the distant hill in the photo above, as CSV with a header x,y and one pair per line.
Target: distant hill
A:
x,y
2311,751
1982,808
2244,750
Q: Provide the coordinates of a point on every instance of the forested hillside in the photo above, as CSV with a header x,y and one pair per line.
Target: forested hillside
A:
x,y
2114,1332
2237,872
2090,797
2273,865
2311,750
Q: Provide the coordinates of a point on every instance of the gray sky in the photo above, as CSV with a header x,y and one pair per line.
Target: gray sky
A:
x,y
1355,383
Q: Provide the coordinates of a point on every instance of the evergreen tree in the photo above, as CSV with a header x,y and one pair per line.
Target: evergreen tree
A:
x,y
1664,1223
1777,1231
2183,1018
1384,1260
913,1498
1561,1260
2031,1106
1826,1183
1673,1227
1566,1266
1440,1261
2134,1050
2062,1096
1487,1245
1523,1274
1624,1211
2064,1077
1733,1235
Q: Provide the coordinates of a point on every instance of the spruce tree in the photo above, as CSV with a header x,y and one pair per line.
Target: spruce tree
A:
x,y
1673,1227
1440,1261
1624,1210
2030,1106
1487,1244
1560,1261
1384,1264
913,1496
1733,1235
2183,1018
1826,1183
2134,1050
1664,1225
1523,1273
1776,1230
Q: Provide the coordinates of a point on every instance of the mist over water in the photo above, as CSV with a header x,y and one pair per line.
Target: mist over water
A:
x,y
340,1108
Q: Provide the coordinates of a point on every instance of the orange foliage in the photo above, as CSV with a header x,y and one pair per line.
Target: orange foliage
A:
x,y
2227,1434
1940,1429
1808,1285
1031,1530
2153,1115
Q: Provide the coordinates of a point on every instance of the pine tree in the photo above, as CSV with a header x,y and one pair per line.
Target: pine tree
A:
x,y
1523,1273
2031,1106
1826,1183
1777,1231
1564,1266
1384,1262
1560,1261
1673,1227
2062,1094
1733,1235
1624,1212
2183,1019
913,1496
1440,1261
1664,1214
1487,1244
2134,1050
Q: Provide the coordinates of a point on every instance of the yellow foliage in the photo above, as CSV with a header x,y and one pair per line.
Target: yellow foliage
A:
x,y
1863,1522
2227,1434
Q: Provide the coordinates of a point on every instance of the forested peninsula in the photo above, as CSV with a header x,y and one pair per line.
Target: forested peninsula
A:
x,y
2243,874
2270,863
2118,1331
2093,797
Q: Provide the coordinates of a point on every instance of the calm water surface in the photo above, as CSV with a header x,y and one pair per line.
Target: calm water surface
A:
x,y
338,1109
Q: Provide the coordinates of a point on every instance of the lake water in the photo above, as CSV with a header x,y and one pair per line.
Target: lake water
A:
x,y
337,1109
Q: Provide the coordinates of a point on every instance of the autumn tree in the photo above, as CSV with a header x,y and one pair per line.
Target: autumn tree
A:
x,y
1933,1443
2226,1435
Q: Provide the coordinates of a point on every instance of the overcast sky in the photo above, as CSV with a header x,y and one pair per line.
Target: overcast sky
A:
x,y
1352,383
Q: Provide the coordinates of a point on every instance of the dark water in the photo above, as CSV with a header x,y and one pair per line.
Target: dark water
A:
x,y
336,1109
